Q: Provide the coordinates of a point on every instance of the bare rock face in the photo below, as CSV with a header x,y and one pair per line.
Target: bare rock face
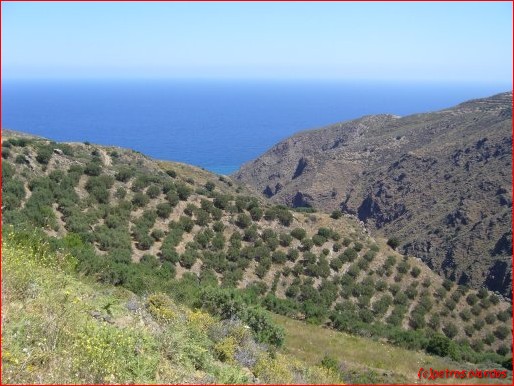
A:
x,y
440,182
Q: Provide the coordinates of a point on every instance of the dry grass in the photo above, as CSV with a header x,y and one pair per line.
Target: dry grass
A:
x,y
390,364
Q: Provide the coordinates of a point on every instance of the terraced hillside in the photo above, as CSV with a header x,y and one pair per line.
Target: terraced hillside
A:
x,y
156,226
59,328
439,182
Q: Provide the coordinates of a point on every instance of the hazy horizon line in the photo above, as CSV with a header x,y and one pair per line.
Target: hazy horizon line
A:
x,y
260,79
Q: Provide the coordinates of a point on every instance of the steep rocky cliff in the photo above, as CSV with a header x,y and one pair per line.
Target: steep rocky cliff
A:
x,y
440,182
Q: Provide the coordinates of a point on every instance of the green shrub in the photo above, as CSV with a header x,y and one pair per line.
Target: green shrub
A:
x,y
93,168
21,142
347,241
149,260
209,185
20,159
448,284
183,191
251,234
363,264
185,223
203,218
434,322
357,246
403,267
489,339
243,221
124,174
494,299
140,200
479,324
144,242
417,321
450,304
503,316
153,191
336,264
503,349
168,186
307,244
485,303
221,201
366,316
324,232
120,193
381,285
279,257
441,346
401,298
348,255
298,233
318,240
256,213
44,154
268,233
218,226
490,318
415,271
285,239
381,305
482,293
395,318
218,242
330,363
369,256
469,330
456,296
440,293
390,261
163,210
190,209
110,239
227,304
502,332
472,299
292,254
450,330
353,271
169,243
393,242
465,315
411,292
336,214
188,258
157,234
285,217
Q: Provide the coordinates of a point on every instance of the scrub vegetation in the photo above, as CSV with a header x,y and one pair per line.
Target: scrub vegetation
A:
x,y
184,243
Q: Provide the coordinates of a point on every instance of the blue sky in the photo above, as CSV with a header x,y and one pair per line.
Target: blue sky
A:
x,y
466,42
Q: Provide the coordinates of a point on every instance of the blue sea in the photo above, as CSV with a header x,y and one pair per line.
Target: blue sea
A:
x,y
217,125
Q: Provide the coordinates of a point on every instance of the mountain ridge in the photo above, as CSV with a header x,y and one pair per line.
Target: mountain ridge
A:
x,y
391,172
152,226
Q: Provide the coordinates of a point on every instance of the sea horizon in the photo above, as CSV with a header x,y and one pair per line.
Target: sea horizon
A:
x,y
216,124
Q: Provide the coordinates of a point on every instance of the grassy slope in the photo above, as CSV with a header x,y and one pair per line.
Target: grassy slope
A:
x,y
57,328
366,360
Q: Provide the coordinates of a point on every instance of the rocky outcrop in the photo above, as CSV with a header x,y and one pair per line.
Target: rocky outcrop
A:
x,y
440,182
